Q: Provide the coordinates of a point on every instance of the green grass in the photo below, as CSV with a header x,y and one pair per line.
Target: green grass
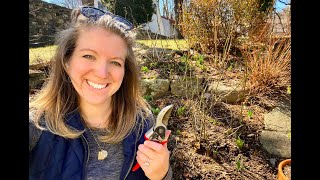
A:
x,y
169,44
41,54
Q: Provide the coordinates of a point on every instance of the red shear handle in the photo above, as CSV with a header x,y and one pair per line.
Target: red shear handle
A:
x,y
137,166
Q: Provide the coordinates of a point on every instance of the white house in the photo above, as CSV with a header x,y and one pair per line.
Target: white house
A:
x,y
160,24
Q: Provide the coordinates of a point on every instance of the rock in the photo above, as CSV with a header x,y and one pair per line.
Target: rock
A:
x,y
277,143
229,93
154,87
278,120
36,79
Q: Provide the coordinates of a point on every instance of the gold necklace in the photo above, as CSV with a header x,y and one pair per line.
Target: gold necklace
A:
x,y
102,154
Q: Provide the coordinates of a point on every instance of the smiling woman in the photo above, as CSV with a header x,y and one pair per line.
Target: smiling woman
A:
x,y
88,120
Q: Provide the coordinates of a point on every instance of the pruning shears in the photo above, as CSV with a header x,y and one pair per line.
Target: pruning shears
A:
x,y
158,132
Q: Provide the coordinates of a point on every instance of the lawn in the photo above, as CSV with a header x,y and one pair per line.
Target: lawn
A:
x,y
41,54
169,44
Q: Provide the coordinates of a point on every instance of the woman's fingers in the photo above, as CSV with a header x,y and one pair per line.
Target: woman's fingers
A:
x,y
153,158
142,156
149,152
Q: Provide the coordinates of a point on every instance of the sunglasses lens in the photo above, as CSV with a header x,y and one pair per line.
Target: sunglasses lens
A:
x,y
92,13
95,14
123,22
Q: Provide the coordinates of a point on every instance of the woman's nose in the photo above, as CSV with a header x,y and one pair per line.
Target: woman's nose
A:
x,y
102,69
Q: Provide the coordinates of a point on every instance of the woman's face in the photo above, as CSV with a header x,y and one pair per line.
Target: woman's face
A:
x,y
97,65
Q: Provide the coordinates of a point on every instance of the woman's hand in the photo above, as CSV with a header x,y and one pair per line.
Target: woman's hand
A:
x,y
153,158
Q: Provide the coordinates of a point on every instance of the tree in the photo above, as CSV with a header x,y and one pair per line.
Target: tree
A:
x,y
177,12
136,11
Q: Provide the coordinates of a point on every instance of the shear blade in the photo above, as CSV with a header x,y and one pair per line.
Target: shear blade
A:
x,y
164,115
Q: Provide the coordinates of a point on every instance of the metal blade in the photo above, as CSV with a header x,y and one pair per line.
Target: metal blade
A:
x,y
164,115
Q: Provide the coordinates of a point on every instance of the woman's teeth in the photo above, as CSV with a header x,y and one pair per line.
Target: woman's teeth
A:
x,y
97,86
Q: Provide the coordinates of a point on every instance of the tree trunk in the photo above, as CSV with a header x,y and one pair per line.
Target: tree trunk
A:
x,y
177,11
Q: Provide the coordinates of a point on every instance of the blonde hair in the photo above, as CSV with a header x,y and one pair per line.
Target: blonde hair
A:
x,y
58,97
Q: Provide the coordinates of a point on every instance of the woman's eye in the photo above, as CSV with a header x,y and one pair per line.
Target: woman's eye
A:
x,y
115,63
88,57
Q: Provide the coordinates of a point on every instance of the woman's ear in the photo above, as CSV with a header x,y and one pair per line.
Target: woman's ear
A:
x,y
66,65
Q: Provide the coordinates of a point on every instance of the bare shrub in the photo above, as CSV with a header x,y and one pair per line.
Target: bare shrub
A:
x,y
210,25
199,24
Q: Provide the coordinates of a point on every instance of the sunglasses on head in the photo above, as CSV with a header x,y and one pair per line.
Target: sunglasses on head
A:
x,y
95,13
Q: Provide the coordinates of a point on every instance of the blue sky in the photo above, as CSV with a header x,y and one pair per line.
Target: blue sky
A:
x,y
280,6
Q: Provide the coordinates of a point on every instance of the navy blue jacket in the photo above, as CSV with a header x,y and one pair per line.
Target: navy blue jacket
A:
x,y
58,158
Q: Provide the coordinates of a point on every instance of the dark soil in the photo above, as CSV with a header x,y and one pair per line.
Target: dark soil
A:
x,y
287,171
203,140
217,156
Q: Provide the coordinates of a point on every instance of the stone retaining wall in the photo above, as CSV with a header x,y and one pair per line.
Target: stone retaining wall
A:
x,y
45,19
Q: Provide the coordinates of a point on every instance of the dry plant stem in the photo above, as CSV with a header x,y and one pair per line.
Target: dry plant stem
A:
x,y
222,136
246,75
195,120
202,106
199,107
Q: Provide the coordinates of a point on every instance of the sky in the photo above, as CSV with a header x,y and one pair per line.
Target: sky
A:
x,y
280,6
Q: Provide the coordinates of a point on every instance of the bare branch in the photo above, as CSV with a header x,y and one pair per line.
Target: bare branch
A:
x,y
285,3
280,21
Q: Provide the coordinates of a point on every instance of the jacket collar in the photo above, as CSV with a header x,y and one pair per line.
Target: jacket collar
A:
x,y
73,119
